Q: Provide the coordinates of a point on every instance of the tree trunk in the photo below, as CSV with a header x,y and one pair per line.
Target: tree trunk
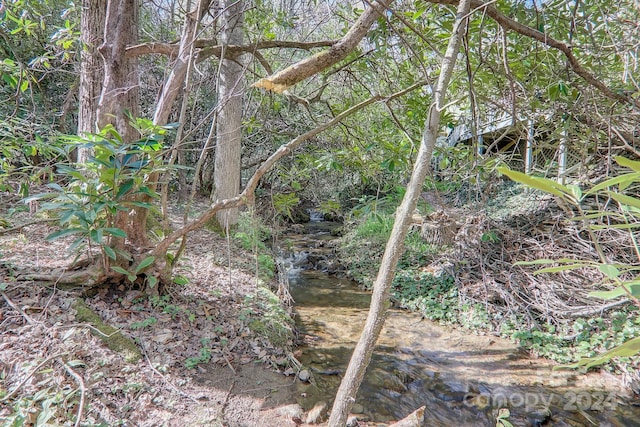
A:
x,y
380,300
120,89
119,97
229,130
91,69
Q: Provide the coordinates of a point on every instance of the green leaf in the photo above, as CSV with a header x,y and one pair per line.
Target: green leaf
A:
x,y
616,226
110,252
120,270
146,190
628,349
40,196
535,262
152,281
10,80
125,188
633,287
75,363
123,254
96,235
576,191
130,277
624,199
558,268
622,180
631,164
538,183
66,232
77,244
115,232
141,204
180,280
145,263
609,270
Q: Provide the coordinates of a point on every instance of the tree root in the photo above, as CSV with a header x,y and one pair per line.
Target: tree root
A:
x,y
67,279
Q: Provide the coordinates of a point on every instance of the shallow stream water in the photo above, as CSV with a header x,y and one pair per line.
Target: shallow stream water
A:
x,y
463,379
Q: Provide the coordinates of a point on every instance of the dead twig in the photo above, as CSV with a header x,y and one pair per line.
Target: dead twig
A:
x,y
36,369
229,363
83,390
21,226
163,377
18,309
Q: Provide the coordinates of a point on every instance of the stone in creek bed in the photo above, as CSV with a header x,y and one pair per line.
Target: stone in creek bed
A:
x,y
317,414
304,376
357,408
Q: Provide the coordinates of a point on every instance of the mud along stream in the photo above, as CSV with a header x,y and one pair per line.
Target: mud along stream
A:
x,y
463,379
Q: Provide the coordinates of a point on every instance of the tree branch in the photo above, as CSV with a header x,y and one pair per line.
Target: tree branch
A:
x,y
311,65
212,48
247,194
509,24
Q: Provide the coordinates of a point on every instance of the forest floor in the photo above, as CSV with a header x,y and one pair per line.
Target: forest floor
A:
x,y
213,352
202,361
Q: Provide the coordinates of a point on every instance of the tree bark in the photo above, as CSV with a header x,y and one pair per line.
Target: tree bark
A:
x,y
92,20
380,300
120,89
175,81
226,173
119,98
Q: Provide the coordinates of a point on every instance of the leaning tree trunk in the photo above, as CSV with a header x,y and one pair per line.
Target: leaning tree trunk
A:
x,y
226,175
91,69
380,300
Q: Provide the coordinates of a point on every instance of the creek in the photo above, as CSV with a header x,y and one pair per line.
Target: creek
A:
x,y
463,379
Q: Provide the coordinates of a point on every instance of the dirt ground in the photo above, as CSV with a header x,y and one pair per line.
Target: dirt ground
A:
x,y
201,364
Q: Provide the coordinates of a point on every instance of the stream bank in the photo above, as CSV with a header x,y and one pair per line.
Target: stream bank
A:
x,y
463,379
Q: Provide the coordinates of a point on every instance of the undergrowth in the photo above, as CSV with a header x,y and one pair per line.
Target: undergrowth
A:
x,y
252,235
437,297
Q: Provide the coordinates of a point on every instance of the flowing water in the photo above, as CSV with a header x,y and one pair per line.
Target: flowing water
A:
x,y
463,379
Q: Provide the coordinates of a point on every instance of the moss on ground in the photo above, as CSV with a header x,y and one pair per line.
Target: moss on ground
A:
x,y
110,335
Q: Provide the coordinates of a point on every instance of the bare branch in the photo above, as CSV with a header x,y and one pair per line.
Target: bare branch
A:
x,y
509,24
247,195
212,48
311,65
